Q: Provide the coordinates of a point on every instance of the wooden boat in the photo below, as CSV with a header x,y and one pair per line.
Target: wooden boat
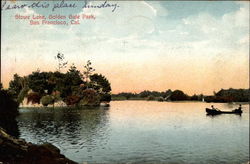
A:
x,y
215,111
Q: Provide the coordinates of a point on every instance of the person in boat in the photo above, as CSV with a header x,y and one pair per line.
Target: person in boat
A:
x,y
214,108
239,109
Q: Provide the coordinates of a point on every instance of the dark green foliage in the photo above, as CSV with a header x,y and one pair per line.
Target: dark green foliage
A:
x,y
41,82
127,95
102,86
70,87
230,95
70,82
44,83
100,83
15,86
47,100
236,95
160,99
148,95
105,97
194,98
151,98
145,94
178,95
74,76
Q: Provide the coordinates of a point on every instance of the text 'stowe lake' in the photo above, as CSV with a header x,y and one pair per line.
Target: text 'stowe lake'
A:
x,y
142,132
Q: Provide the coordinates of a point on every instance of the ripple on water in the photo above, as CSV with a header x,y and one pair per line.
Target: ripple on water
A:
x,y
141,132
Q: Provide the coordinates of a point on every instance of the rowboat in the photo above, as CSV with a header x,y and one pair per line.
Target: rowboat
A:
x,y
215,111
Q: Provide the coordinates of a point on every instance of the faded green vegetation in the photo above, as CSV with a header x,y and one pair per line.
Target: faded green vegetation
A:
x,y
74,87
224,95
168,95
230,95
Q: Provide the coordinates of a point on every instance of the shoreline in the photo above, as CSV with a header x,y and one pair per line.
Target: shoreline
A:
x,y
57,105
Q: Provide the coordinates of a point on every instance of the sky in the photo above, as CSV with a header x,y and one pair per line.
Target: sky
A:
x,y
197,47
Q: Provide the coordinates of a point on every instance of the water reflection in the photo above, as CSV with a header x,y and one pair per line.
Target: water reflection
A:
x,y
217,115
67,128
142,132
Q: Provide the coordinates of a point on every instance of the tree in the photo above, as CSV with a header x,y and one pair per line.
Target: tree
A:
x,y
69,83
90,97
100,83
145,94
61,63
70,87
15,86
88,71
194,97
178,95
38,82
74,76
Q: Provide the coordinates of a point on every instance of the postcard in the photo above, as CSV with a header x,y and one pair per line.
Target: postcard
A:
x,y
105,81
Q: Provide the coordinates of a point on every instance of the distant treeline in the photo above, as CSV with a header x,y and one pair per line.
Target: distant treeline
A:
x,y
228,95
168,95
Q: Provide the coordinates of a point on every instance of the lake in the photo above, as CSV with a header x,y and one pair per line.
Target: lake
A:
x,y
141,132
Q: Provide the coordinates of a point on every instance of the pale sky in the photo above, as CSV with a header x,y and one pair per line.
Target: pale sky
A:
x,y
197,47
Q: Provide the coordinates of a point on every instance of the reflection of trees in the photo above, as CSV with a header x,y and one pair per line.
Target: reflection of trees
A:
x,y
93,121
217,115
65,126
43,124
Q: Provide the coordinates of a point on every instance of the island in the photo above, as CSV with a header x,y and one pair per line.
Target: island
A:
x,y
72,88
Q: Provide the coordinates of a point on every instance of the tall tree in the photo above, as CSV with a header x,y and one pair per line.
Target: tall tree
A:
x,y
61,61
15,86
88,71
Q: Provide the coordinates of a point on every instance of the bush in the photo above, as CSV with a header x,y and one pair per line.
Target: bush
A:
x,y
161,99
90,97
72,100
150,98
46,100
105,97
34,98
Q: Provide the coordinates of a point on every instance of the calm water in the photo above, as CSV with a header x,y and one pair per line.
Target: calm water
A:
x,y
142,132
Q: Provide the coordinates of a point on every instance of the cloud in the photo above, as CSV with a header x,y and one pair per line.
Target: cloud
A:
x,y
138,36
156,8
150,7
